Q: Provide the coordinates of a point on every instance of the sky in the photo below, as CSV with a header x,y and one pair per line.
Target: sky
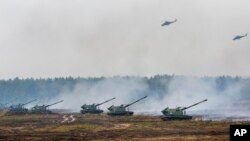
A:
x,y
91,38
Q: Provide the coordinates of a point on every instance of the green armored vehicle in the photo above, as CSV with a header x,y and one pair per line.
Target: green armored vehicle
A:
x,y
121,110
19,108
43,109
94,108
178,113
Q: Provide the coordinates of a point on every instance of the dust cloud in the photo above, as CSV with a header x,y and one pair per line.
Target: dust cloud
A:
x,y
224,101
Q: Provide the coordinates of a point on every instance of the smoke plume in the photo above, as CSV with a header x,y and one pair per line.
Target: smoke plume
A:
x,y
224,99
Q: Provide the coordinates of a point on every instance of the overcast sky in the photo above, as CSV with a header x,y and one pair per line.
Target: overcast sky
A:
x,y
53,38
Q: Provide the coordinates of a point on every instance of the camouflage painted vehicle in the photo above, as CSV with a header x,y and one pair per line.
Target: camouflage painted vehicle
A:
x,y
122,109
178,113
19,108
43,109
94,108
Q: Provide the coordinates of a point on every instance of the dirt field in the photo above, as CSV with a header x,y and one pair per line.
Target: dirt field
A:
x,y
103,127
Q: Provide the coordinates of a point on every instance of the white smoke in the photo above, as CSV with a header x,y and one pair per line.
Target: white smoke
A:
x,y
125,91
181,91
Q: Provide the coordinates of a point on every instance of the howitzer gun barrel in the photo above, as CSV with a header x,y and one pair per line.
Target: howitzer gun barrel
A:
x,y
135,101
54,103
105,101
28,102
194,104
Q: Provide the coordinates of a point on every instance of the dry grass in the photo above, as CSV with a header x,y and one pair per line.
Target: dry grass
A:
x,y
103,127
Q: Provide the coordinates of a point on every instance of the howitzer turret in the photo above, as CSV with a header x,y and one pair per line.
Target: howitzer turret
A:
x,y
177,113
19,109
43,109
94,108
121,110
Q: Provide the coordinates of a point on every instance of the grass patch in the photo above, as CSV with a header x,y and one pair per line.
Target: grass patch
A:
x,y
19,119
69,128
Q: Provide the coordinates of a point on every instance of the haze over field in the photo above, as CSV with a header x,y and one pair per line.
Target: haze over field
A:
x,y
102,39
44,38
227,96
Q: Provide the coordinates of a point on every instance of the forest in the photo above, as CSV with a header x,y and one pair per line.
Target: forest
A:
x,y
17,90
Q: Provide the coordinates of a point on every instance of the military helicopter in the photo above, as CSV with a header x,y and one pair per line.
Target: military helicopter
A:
x,y
238,37
178,113
94,108
43,109
167,23
121,110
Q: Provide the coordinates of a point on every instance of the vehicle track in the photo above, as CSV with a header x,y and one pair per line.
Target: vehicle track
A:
x,y
68,119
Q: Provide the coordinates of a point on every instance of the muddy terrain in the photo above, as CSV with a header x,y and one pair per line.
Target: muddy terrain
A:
x,y
102,127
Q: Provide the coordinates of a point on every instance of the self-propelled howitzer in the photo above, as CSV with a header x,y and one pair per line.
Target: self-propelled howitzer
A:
x,y
19,108
122,109
43,109
93,108
177,113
